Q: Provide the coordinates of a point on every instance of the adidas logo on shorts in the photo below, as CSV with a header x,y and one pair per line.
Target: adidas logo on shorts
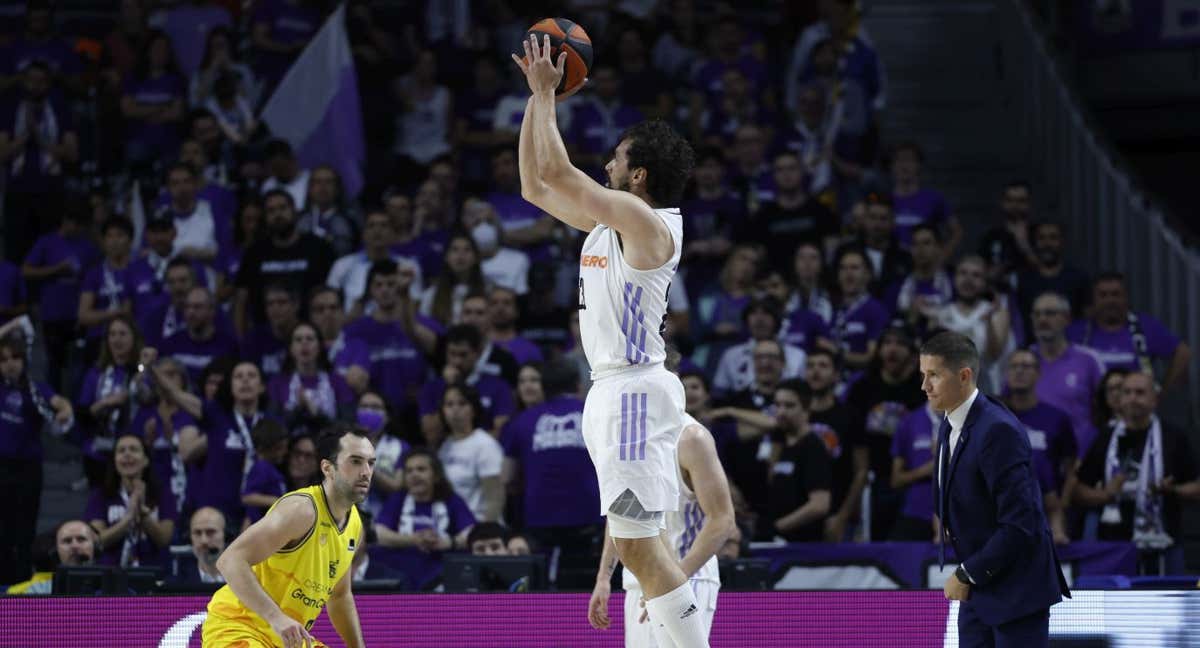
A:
x,y
688,612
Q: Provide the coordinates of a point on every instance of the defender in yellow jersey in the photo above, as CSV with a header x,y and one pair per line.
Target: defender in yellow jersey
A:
x,y
296,560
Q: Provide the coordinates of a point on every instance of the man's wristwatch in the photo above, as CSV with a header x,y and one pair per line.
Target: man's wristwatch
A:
x,y
961,575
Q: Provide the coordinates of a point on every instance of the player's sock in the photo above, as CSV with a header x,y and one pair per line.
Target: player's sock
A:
x,y
680,616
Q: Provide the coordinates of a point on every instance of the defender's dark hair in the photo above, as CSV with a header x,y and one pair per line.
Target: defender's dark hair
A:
x,y
955,349
329,443
665,155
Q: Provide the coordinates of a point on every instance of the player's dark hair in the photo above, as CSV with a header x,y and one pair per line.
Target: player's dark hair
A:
x,y
665,155
329,443
955,349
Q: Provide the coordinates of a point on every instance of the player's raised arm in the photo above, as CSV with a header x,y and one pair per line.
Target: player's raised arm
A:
x,y
534,189
698,456
288,522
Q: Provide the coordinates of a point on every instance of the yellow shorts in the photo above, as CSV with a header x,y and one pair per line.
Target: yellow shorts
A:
x,y
219,632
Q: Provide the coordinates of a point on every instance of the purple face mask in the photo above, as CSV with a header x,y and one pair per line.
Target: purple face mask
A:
x,y
370,419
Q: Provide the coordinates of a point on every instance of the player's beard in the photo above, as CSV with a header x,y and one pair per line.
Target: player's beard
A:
x,y
620,184
346,489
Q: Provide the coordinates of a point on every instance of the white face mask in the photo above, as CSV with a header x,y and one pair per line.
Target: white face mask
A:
x,y
486,236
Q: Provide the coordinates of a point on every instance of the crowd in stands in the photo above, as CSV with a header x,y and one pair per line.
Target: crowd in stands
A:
x,y
205,304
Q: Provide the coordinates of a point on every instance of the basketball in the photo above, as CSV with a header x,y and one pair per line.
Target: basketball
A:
x,y
569,37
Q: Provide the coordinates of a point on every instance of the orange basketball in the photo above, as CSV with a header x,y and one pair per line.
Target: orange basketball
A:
x,y
569,37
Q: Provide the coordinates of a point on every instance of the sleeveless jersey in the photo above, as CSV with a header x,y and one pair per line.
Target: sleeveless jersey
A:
x,y
683,525
299,579
622,310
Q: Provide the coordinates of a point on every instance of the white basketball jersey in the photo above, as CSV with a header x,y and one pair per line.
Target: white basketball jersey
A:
x,y
683,525
622,310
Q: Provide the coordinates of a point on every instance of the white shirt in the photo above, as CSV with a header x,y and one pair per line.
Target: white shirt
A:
x,y
958,417
349,276
468,462
735,372
508,268
297,188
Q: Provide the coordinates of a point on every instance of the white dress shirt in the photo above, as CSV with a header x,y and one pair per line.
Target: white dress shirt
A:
x,y
957,418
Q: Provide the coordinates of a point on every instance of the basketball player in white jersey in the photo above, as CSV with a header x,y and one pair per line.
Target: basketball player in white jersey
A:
x,y
695,533
633,414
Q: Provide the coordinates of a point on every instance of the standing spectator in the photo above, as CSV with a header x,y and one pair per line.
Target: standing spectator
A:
x,y
1051,437
264,483
1106,405
494,359
308,394
523,225
267,345
1007,245
162,423
348,276
473,458
1127,340
285,173
877,237
799,477
501,266
374,416
191,25
200,341
810,295
833,423
37,140
912,474
545,454
914,204
1051,273
422,522
302,466
235,115
928,287
279,31
858,318
719,309
710,210
198,225
464,345
752,177
736,369
26,405
349,356
529,392
107,398
461,275
1070,374
1138,473
981,315
424,120
295,259
166,318
152,102
475,108
503,313
326,214
106,292
220,57
790,217
880,399
133,514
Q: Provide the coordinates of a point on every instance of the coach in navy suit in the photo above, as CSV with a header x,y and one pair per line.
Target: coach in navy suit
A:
x,y
990,505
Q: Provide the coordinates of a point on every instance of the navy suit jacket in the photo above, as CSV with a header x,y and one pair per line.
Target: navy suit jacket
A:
x,y
992,515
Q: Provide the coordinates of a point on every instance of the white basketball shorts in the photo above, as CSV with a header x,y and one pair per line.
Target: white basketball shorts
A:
x,y
641,635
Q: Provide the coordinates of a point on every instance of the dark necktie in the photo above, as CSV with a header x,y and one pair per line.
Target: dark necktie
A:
x,y
943,476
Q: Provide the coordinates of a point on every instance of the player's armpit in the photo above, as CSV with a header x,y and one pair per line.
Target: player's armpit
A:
x,y
288,523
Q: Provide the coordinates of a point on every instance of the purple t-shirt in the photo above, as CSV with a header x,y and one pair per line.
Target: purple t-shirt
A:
x,y
225,462
404,514
517,213
188,26
143,286
168,467
160,91
397,366
12,287
913,442
597,128
59,298
289,23
110,286
20,421
858,323
1115,348
802,328
111,509
1069,383
559,480
427,248
261,347
494,394
1052,439
709,77
347,352
705,218
718,307
195,356
98,438
522,350
279,386
924,206
264,479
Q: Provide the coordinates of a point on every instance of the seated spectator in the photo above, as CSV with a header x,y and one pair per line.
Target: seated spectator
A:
x,y
422,522
735,372
788,218
503,315
751,172
107,291
832,421
1051,272
719,310
980,314
545,454
928,288
220,57
235,115
475,108
464,345
716,121
167,318
424,116
710,211
1051,436
106,400
133,514
912,474
38,138
152,102
494,358
1007,246
201,227
264,483
501,266
529,392
472,457
815,135
149,267
858,318
212,184
349,356
72,544
809,308
727,50
1070,374
303,469
876,236
267,344
1127,340
200,342
308,394
162,423
642,87
488,539
1138,473
206,536
348,275
461,274
426,233
1106,404
914,204
284,173
699,405
373,415
327,215
542,320
799,476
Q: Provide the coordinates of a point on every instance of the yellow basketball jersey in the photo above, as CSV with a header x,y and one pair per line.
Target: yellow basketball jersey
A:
x,y
299,579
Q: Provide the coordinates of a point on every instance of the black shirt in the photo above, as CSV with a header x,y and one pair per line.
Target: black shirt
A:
x,y
781,230
878,407
803,468
840,435
747,458
1177,462
301,266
